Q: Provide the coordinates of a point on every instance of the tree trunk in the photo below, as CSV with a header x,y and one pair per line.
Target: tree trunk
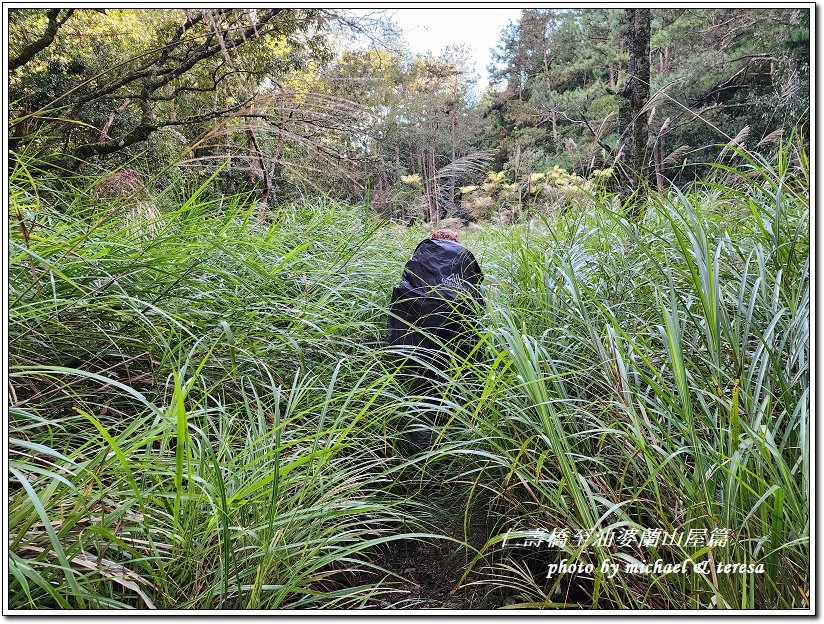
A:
x,y
632,119
553,115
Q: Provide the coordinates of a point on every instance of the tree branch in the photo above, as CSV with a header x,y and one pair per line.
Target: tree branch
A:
x,y
44,41
104,133
738,80
145,128
193,57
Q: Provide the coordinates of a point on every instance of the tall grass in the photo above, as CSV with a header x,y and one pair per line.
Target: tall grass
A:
x,y
193,420
201,414
656,374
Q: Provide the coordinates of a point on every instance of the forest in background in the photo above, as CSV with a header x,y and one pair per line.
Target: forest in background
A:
x,y
271,99
208,212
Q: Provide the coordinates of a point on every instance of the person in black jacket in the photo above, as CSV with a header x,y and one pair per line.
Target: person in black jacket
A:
x,y
433,314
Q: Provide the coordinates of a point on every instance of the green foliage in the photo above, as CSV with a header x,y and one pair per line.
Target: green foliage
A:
x,y
544,191
201,411
201,415
423,116
165,147
643,343
261,96
714,72
176,394
407,195
111,80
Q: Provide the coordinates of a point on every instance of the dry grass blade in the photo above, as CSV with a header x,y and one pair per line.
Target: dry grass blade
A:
x,y
772,137
676,155
449,176
605,126
210,20
738,141
656,97
109,570
791,85
462,167
116,573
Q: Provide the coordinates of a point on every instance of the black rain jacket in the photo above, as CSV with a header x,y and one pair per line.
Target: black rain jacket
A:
x,y
437,303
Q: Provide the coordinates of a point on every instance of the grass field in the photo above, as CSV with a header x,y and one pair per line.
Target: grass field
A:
x,y
202,413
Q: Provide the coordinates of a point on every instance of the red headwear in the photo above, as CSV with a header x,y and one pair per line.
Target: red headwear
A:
x,y
449,235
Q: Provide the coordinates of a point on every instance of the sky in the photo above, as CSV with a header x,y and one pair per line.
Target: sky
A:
x,y
431,30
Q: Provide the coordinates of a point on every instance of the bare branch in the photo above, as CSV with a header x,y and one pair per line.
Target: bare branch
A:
x,y
104,133
595,134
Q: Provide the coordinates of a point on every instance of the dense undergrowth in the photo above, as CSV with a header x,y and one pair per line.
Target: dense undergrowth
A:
x,y
202,414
